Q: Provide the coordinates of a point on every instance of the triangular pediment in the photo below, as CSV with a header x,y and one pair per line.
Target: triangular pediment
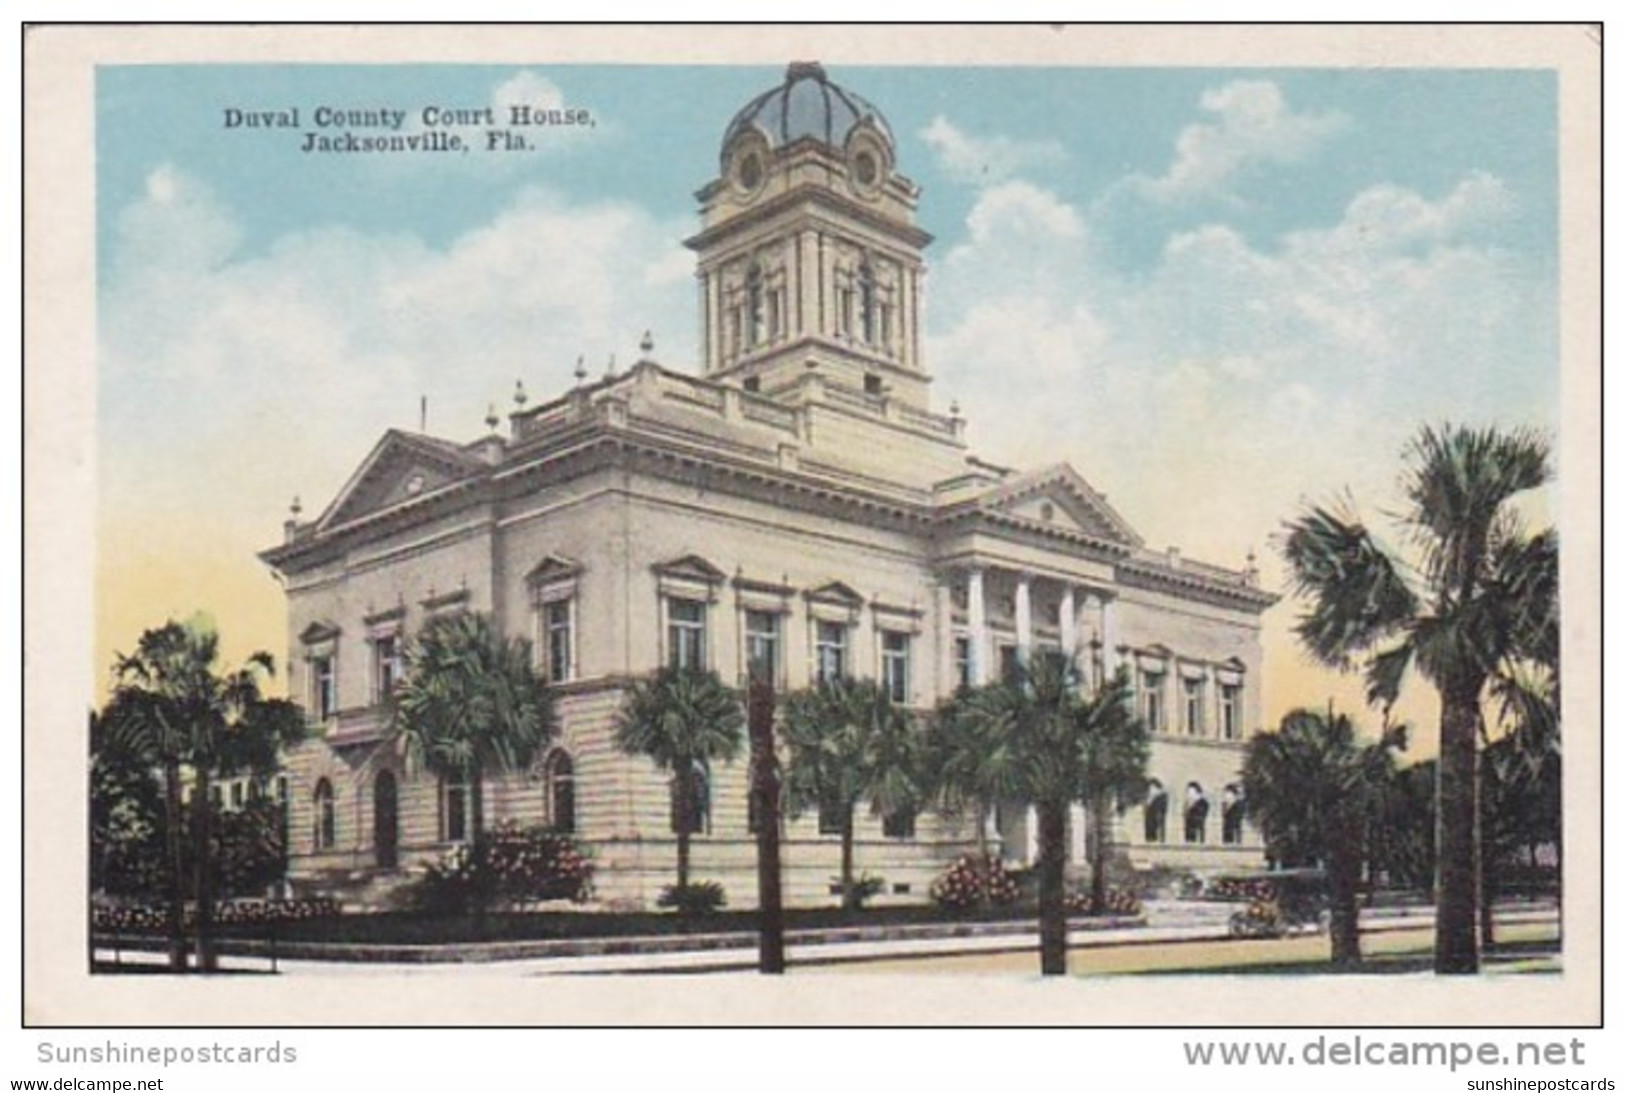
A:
x,y
401,467
554,567
836,592
318,632
1058,497
691,567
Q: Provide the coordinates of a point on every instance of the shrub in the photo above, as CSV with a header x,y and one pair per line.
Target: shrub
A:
x,y
972,882
520,866
1119,901
695,898
865,888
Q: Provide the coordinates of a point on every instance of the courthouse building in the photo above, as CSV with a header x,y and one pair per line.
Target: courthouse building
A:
x,y
796,498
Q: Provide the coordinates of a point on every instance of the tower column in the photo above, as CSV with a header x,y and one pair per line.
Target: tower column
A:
x,y
1024,617
979,652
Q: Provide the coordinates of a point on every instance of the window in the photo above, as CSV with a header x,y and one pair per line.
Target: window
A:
x,y
453,809
1009,662
238,794
323,687
762,645
694,816
1231,815
866,301
871,384
962,661
326,816
557,631
386,666
753,384
685,634
1193,706
1156,814
754,307
1230,710
899,824
1196,807
1151,700
894,665
830,648
560,779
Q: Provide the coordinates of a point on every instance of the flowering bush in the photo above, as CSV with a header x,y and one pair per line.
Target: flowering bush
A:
x,y
694,898
1241,888
1262,918
974,882
151,917
1119,901
521,865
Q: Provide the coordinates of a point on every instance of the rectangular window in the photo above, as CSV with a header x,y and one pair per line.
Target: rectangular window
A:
x,y
899,825
323,687
453,810
894,665
762,645
962,661
238,794
830,815
1230,710
1151,700
830,648
1193,706
386,659
556,634
1009,662
685,634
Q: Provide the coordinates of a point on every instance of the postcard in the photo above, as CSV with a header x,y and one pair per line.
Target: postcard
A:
x,y
1098,513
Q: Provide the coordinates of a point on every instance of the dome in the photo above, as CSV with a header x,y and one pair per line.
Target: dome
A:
x,y
806,104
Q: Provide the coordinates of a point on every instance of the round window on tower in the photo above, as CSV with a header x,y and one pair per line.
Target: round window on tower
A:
x,y
865,168
750,170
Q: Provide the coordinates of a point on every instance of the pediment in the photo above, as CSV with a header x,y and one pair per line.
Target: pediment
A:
x,y
836,592
318,632
690,567
1060,498
401,467
554,567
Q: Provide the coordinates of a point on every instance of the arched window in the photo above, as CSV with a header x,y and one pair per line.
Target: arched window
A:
x,y
694,817
1196,808
326,833
559,774
1232,812
756,323
1156,813
866,301
385,820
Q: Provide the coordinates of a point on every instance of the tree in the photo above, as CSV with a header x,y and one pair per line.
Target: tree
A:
x,y
683,720
1116,750
471,701
1056,739
1317,793
849,742
1479,599
171,710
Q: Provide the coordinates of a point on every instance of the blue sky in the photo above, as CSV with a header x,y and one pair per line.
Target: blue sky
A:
x,y
1216,292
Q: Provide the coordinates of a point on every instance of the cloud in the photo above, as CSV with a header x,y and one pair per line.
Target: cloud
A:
x,y
232,380
1220,385
1252,123
980,161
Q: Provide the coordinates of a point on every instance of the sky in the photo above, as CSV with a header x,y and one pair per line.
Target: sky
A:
x,y
1220,294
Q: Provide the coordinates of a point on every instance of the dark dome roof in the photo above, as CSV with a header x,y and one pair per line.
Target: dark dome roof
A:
x,y
806,104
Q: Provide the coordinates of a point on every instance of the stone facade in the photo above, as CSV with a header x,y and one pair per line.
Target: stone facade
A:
x,y
800,493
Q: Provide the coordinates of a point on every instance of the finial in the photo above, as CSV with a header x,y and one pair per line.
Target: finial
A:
x,y
581,370
296,508
609,372
647,344
491,418
953,408
519,393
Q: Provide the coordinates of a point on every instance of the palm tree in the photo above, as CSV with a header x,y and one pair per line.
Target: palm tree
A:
x,y
471,701
1317,793
170,709
1056,741
972,766
848,741
683,719
1116,749
1479,599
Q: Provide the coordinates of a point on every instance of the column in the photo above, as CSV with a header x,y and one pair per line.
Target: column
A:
x,y
1093,674
1080,841
1024,617
979,651
1069,627
1032,836
944,683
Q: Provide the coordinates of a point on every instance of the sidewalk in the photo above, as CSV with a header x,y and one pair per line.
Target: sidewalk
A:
x,y
1167,924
